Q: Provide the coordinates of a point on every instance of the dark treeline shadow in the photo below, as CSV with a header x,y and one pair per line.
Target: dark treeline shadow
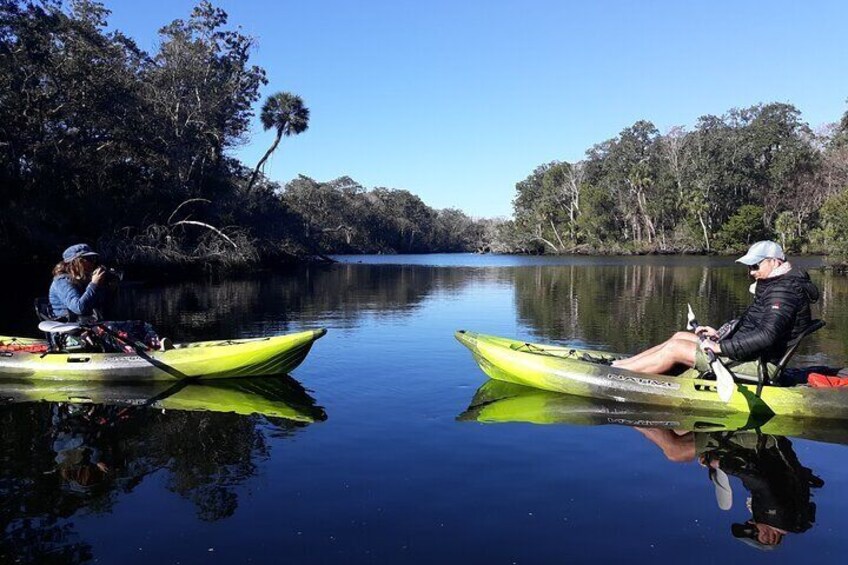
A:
x,y
270,304
265,303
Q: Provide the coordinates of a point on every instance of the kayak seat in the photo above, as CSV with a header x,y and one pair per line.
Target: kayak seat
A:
x,y
792,347
57,330
51,327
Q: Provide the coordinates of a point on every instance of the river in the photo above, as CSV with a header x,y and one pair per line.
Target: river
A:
x,y
380,460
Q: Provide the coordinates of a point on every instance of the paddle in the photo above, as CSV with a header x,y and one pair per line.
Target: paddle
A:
x,y
723,491
142,351
724,379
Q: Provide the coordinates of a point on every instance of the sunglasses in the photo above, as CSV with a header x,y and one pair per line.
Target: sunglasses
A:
x,y
755,268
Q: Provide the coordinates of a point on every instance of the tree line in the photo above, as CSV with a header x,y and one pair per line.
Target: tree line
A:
x,y
752,173
101,141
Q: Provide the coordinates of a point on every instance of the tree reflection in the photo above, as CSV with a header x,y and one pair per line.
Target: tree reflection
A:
x,y
61,460
625,308
269,304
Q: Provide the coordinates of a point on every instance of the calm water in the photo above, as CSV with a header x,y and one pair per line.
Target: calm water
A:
x,y
374,465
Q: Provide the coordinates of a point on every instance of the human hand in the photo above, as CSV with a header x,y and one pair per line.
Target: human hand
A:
x,y
706,331
98,276
768,535
713,346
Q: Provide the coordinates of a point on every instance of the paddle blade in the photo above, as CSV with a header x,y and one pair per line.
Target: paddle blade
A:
x,y
690,318
723,492
724,381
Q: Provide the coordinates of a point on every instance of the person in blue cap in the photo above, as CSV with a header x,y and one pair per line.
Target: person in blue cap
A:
x,y
77,287
779,313
77,294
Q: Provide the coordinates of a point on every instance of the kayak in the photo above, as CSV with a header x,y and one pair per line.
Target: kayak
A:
x,y
586,373
20,358
274,397
502,402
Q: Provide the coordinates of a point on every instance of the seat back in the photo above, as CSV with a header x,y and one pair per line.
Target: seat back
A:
x,y
43,309
815,326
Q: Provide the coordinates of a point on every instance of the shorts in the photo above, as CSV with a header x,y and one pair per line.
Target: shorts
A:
x,y
750,368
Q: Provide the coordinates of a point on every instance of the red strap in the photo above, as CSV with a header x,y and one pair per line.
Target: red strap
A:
x,y
826,381
22,348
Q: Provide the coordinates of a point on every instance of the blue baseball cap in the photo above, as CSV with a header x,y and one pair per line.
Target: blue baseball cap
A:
x,y
78,250
762,250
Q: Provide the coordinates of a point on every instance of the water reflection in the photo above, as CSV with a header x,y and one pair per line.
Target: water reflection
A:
x,y
778,485
624,308
620,305
755,450
77,449
271,304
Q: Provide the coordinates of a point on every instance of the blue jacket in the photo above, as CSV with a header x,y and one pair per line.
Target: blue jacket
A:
x,y
67,301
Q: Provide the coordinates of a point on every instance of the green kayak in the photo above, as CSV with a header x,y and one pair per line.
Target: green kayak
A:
x,y
20,358
276,397
502,402
584,373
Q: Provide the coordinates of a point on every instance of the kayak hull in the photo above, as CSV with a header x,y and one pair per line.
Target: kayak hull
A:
x,y
206,360
562,369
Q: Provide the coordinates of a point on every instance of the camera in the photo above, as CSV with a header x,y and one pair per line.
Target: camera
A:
x,y
113,273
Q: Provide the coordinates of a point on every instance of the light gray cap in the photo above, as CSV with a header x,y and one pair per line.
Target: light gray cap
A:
x,y
762,250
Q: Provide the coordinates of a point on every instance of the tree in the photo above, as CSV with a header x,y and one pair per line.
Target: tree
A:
x,y
834,218
285,113
200,90
743,228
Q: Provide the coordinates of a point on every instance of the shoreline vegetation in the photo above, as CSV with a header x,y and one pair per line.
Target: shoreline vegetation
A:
x,y
101,141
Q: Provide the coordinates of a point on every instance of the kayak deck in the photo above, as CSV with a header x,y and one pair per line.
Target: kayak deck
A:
x,y
207,360
562,369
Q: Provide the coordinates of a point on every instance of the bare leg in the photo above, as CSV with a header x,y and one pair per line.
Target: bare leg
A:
x,y
662,359
677,448
679,335
686,336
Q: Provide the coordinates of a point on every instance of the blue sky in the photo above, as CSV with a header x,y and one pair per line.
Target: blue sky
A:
x,y
456,101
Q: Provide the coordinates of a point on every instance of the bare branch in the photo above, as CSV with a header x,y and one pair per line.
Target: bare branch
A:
x,y
209,227
190,200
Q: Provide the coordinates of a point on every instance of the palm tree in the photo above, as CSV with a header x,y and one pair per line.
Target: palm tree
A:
x,y
286,113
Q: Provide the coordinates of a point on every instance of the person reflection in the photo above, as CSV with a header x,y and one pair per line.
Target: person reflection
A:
x,y
779,485
77,431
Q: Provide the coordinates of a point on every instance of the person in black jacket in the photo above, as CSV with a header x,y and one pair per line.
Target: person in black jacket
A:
x,y
779,313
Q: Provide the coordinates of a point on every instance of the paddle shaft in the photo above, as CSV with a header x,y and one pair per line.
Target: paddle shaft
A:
x,y
724,379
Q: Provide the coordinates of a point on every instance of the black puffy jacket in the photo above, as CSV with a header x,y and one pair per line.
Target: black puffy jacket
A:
x,y
780,312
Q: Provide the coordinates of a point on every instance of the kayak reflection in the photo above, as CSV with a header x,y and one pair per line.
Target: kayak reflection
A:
x,y
73,449
755,451
277,397
497,401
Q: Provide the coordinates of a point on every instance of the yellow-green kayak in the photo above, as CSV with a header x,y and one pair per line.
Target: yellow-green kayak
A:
x,y
585,373
218,359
